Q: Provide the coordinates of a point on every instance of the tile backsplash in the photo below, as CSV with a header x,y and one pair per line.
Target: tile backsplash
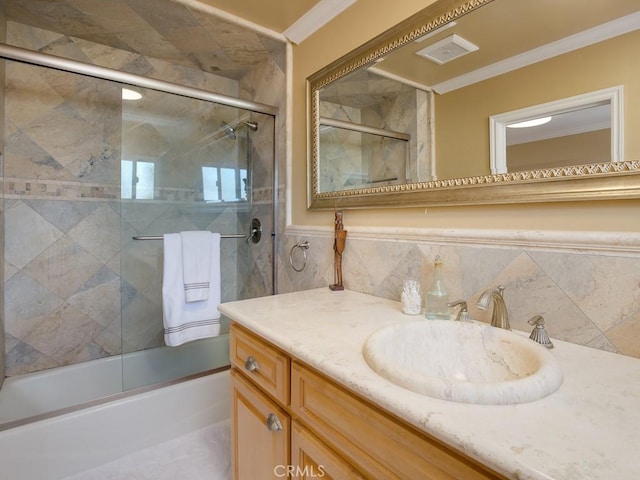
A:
x,y
585,298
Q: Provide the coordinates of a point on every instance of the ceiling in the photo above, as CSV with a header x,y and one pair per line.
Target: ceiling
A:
x,y
504,29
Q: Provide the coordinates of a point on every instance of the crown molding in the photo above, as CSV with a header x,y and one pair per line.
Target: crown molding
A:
x,y
322,13
583,39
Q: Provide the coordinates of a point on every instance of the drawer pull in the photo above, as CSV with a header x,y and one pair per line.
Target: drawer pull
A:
x,y
251,364
273,423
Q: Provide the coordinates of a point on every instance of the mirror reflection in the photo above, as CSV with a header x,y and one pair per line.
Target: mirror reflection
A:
x,y
560,140
421,113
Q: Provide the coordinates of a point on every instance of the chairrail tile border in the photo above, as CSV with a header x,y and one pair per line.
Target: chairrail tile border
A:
x,y
579,242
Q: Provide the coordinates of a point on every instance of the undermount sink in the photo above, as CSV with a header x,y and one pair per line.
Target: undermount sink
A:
x,y
463,362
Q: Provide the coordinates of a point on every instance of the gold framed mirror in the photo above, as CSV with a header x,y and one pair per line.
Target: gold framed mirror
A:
x,y
405,119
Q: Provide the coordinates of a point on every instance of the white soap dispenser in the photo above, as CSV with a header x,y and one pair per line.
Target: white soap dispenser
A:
x,y
437,297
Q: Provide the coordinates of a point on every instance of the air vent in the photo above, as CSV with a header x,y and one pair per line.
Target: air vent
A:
x,y
447,49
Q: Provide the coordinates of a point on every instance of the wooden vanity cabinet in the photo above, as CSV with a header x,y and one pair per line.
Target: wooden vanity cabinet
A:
x,y
327,431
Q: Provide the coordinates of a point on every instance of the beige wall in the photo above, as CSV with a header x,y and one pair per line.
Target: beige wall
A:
x,y
358,24
468,109
590,147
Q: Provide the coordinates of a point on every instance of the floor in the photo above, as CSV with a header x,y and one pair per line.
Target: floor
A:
x,y
199,455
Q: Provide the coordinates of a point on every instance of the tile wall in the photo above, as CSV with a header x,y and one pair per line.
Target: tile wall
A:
x,y
354,160
76,287
585,298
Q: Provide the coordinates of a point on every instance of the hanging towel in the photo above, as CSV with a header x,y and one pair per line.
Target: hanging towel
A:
x,y
184,322
196,265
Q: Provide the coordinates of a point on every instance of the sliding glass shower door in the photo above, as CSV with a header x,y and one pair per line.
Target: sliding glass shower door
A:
x,y
189,164
86,169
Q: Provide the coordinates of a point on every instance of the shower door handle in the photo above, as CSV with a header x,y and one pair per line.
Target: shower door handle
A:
x,y
273,423
251,364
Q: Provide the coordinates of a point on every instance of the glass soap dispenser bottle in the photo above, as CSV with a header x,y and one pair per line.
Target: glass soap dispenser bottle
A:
x,y
437,296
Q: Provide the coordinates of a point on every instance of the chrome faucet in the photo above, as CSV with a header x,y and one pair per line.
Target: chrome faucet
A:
x,y
500,316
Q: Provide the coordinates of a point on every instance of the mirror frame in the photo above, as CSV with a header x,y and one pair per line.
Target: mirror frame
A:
x,y
597,181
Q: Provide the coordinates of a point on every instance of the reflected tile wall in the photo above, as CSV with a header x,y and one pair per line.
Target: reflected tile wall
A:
x,y
349,159
67,299
592,300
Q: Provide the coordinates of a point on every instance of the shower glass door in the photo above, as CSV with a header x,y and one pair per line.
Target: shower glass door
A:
x,y
189,164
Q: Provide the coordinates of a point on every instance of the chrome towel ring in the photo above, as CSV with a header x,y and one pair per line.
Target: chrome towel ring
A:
x,y
303,247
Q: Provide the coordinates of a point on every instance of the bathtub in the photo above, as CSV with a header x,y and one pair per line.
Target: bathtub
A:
x,y
85,436
58,388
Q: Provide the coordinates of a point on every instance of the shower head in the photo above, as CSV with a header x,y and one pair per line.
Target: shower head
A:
x,y
230,130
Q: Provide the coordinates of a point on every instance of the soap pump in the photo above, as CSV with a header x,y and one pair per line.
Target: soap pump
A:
x,y
437,297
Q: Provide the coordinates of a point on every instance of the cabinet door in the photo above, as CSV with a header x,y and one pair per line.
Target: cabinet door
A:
x,y
370,439
261,433
311,458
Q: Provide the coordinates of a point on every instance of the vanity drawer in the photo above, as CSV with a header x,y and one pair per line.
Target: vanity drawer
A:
x,y
373,441
314,458
264,364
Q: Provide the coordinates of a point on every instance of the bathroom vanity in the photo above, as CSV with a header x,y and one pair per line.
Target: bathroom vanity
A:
x,y
307,404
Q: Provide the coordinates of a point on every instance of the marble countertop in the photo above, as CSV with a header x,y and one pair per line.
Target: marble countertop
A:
x,y
588,429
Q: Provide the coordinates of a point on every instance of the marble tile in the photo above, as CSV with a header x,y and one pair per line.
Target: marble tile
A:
x,y
63,267
21,32
99,297
142,324
23,358
108,343
625,335
99,233
605,288
141,215
530,291
27,304
64,214
22,223
141,262
64,333
22,106
586,299
409,266
9,270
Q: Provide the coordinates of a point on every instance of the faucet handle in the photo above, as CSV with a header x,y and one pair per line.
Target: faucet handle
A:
x,y
539,334
537,320
463,313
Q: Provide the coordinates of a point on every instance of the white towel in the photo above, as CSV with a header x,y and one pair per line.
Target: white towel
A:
x,y
196,265
184,322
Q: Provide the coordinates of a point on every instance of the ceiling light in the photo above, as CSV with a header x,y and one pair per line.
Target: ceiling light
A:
x,y
530,123
128,94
